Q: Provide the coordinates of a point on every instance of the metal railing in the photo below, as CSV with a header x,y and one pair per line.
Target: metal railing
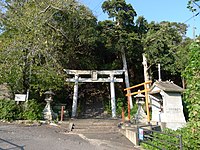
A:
x,y
149,133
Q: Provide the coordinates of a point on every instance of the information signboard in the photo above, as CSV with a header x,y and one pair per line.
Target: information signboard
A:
x,y
141,134
20,97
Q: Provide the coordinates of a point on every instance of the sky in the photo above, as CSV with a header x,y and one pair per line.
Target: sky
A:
x,y
155,10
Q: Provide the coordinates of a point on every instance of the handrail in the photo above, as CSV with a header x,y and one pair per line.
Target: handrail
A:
x,y
145,138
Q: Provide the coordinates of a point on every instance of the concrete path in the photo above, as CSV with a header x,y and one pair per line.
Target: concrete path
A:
x,y
48,137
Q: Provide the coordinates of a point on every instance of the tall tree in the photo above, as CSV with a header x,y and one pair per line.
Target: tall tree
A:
x,y
41,38
119,34
161,45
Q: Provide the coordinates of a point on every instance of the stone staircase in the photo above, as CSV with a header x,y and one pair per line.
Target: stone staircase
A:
x,y
92,125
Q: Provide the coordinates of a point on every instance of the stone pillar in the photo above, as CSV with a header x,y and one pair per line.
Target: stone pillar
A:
x,y
75,97
112,94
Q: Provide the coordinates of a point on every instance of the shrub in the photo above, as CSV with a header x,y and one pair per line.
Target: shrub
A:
x,y
32,110
8,110
190,138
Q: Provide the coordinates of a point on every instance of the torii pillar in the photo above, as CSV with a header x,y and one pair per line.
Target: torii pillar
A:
x,y
75,96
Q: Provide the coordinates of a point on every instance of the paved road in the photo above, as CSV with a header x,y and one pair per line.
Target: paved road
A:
x,y
46,137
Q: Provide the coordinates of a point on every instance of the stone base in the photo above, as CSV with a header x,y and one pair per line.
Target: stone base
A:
x,y
49,115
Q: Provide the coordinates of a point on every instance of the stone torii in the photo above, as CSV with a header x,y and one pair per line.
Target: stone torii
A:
x,y
94,78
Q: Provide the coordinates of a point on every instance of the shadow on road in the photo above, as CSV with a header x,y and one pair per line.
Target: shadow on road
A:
x,y
9,145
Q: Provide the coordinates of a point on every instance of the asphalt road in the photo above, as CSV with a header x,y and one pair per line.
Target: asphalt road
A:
x,y
47,137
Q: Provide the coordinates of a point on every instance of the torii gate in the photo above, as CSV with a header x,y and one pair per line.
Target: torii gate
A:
x,y
94,78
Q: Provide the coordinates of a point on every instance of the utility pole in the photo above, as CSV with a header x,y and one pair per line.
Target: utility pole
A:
x,y
194,36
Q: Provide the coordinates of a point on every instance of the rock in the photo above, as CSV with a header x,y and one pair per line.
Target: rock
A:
x,y
5,92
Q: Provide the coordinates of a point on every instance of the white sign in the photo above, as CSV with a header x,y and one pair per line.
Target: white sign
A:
x,y
20,97
141,134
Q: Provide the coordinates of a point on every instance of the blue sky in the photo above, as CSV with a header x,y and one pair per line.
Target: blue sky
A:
x,y
155,10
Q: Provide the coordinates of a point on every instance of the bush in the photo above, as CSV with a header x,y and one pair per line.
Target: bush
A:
x,y
163,141
32,111
8,110
190,138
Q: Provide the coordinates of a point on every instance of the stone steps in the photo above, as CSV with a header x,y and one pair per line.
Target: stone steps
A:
x,y
93,125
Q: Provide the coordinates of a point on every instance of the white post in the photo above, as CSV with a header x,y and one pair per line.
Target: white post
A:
x,y
146,74
159,73
112,94
75,97
125,68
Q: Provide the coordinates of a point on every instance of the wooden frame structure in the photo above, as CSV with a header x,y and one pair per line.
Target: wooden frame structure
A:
x,y
94,78
146,90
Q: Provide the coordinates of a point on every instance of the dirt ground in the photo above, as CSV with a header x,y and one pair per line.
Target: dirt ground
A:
x,y
48,137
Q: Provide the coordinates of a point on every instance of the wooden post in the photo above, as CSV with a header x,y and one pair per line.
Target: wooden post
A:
x,y
123,116
112,94
129,109
147,102
75,97
62,113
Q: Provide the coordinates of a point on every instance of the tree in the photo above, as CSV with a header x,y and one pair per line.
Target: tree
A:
x,y
192,76
193,5
40,39
161,44
120,35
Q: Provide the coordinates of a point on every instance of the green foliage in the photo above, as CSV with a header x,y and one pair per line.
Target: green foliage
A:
x,y
181,56
107,106
122,12
193,5
190,133
190,138
38,40
161,44
120,104
32,110
163,140
8,110
192,76
134,110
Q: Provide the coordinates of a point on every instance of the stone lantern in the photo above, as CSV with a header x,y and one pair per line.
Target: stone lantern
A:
x,y
48,112
140,116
